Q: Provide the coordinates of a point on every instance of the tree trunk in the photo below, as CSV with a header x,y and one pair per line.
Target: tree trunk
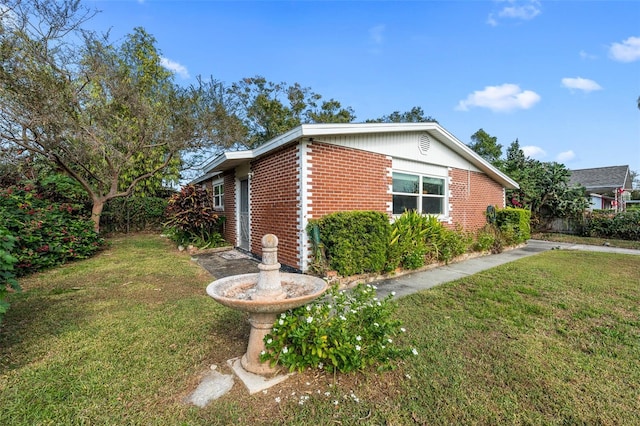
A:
x,y
96,212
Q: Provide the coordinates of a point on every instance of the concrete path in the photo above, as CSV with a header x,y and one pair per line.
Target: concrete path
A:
x,y
418,281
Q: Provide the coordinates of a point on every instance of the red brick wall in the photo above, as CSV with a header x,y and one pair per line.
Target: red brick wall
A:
x,y
471,193
275,202
347,179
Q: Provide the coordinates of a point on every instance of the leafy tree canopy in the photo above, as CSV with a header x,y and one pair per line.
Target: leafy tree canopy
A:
x,y
487,147
110,116
269,109
414,115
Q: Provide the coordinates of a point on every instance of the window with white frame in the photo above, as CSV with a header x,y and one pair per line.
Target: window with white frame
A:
x,y
424,194
218,195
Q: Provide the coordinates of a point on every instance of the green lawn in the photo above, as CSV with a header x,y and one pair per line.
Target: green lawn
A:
x,y
124,337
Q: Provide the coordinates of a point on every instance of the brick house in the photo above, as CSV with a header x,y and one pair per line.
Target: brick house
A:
x,y
317,169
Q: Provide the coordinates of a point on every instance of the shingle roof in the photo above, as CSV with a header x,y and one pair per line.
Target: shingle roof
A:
x,y
602,179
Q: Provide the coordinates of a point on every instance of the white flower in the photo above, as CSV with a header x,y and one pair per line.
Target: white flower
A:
x,y
281,322
379,304
269,341
308,307
285,350
389,340
408,376
278,400
403,329
376,324
283,315
327,394
320,365
309,320
358,338
342,317
414,351
335,402
262,353
358,347
393,293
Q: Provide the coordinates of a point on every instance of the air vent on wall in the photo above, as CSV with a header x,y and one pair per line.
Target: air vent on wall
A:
x,y
425,143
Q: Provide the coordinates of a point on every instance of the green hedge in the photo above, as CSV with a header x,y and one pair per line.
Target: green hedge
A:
x,y
132,214
623,226
514,224
355,242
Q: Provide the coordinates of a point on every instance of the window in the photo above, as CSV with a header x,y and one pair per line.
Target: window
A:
x,y
218,196
421,193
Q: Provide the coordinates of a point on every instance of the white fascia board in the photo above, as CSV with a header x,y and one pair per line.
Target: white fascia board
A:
x,y
227,157
330,129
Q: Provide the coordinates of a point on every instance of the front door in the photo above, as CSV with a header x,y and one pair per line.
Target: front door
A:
x,y
244,215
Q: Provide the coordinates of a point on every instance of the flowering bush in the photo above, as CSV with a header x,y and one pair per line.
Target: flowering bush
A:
x,y
47,232
8,280
345,331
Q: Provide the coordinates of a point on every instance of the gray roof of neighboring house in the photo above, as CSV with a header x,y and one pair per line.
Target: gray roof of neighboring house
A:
x,y
602,179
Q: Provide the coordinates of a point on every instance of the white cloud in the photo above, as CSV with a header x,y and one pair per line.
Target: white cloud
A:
x,y
534,152
580,83
176,67
502,98
586,55
627,51
377,34
516,9
525,11
565,156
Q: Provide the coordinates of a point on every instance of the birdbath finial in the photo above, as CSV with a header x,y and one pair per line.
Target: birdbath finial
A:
x,y
269,286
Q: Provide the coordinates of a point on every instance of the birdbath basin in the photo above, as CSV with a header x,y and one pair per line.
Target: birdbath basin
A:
x,y
264,295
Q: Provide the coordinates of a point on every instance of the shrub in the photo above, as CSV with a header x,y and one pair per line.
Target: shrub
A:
x,y
514,225
8,280
192,219
346,331
605,224
47,232
135,213
354,242
408,246
416,238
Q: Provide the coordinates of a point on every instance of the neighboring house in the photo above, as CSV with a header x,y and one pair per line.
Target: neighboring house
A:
x,y
317,169
608,188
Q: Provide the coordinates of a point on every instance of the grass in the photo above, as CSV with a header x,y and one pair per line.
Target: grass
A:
x,y
124,337
574,239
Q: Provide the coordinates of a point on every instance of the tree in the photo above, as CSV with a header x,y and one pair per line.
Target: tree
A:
x,y
487,147
269,109
108,116
544,186
414,115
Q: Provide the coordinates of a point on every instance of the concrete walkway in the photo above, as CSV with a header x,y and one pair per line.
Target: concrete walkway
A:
x,y
418,281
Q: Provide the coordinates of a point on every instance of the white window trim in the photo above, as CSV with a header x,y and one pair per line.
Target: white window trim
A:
x,y
214,184
444,216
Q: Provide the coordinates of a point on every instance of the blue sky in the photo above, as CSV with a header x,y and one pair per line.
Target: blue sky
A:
x,y
562,77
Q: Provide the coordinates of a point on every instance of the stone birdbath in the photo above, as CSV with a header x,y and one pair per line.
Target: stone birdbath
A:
x,y
264,296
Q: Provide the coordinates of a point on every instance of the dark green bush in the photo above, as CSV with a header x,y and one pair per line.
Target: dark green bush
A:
x,y
48,232
514,224
623,226
355,242
135,213
192,219
8,280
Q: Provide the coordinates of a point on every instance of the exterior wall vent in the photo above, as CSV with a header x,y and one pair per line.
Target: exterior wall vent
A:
x,y
424,143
